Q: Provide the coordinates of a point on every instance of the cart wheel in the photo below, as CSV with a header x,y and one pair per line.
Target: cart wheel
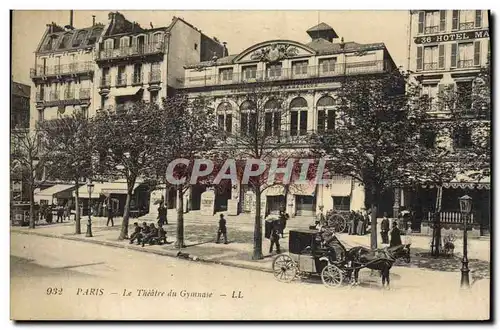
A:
x,y
332,276
338,222
284,268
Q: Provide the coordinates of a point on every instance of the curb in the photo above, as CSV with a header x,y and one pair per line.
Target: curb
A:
x,y
172,254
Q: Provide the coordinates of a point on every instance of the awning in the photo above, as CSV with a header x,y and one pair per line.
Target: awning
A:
x,y
341,186
119,188
307,189
50,193
124,91
84,193
464,181
275,191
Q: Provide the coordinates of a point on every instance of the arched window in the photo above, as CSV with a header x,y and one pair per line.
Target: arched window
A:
x,y
65,40
326,114
248,118
272,120
225,116
96,33
124,42
80,37
298,116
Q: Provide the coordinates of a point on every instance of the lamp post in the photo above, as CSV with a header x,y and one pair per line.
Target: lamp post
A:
x,y
465,209
90,189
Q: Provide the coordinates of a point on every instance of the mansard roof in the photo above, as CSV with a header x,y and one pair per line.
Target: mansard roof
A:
x,y
60,40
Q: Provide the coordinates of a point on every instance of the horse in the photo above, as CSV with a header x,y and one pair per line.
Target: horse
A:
x,y
381,259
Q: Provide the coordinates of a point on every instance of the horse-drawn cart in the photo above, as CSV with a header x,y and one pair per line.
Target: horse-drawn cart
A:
x,y
307,257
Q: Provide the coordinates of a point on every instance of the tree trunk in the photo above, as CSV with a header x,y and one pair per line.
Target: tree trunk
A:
x,y
373,230
32,207
78,229
257,234
180,218
167,197
126,212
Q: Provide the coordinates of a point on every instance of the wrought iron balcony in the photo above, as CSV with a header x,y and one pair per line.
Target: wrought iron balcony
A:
x,y
430,66
121,80
133,51
78,68
330,70
466,26
463,64
431,29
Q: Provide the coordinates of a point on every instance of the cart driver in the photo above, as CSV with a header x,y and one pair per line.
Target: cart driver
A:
x,y
329,241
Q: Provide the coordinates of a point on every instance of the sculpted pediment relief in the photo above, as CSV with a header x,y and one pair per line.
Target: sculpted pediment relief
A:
x,y
274,52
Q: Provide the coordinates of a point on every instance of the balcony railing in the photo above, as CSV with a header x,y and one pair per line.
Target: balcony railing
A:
x,y
149,49
63,69
431,29
466,26
137,79
155,76
452,217
430,66
331,70
121,80
463,64
54,96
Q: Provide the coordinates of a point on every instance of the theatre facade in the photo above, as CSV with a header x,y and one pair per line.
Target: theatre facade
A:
x,y
308,74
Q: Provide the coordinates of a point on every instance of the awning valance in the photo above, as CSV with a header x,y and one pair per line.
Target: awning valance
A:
x,y
464,181
125,91
341,186
50,193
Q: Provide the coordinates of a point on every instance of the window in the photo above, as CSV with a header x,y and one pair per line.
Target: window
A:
x,y
225,117
272,125
248,118
342,203
80,37
103,101
250,72
432,19
121,78
274,70
428,138
65,41
467,19
298,116
153,96
327,65
465,55
93,37
300,67
156,38
462,138
226,74
137,73
431,58
195,46
478,18
431,91
464,95
124,42
326,114
109,44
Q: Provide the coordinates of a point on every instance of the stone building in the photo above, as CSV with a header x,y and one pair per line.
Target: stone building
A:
x,y
309,73
447,50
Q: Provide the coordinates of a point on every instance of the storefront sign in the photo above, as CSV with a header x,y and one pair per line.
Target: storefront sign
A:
x,y
457,36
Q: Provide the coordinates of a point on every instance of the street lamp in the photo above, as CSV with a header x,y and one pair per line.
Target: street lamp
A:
x,y
90,189
465,209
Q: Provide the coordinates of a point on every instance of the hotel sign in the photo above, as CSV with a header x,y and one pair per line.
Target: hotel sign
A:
x,y
457,36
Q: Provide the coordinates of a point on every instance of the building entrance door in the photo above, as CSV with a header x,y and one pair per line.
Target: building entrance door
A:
x,y
306,205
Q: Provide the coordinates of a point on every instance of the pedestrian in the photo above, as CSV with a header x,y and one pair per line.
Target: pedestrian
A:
x,y
283,219
384,229
395,235
48,214
136,235
67,212
60,213
361,224
110,214
162,215
352,223
162,235
275,239
222,229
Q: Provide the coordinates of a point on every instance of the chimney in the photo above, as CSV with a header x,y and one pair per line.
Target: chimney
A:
x,y
71,19
93,20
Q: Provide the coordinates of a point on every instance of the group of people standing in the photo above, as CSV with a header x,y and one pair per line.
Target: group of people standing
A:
x,y
358,222
395,233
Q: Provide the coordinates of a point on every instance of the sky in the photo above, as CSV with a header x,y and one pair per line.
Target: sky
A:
x,y
240,29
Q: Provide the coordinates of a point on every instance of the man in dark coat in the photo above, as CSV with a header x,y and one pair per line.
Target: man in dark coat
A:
x,y
222,229
110,214
395,235
162,215
136,235
384,229
162,235
275,238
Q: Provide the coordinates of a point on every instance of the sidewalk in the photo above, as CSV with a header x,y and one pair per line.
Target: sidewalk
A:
x,y
200,245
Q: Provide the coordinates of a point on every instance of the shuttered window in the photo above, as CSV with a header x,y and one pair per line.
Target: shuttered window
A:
x,y
441,57
477,52
454,21
421,21
453,55
420,51
479,17
442,20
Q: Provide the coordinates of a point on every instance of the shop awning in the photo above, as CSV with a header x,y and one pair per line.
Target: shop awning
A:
x,y
125,91
119,188
50,193
84,193
341,186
